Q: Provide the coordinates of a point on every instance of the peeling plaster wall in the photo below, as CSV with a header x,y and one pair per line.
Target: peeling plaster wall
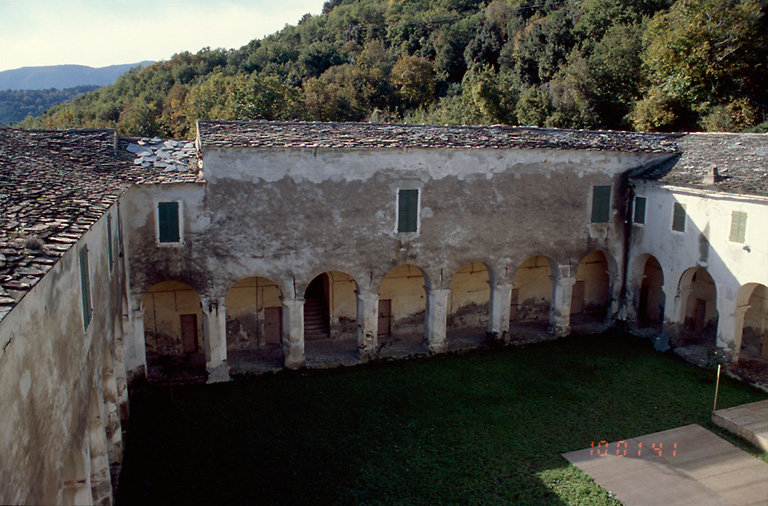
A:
x,y
246,302
705,243
404,287
48,367
534,290
593,271
164,304
289,214
470,297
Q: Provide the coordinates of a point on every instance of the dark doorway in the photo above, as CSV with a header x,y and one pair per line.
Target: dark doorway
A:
x,y
273,325
316,315
385,317
189,333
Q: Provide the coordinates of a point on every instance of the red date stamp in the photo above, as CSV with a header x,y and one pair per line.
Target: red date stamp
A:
x,y
625,449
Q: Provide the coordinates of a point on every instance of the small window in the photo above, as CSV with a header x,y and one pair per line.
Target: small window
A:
x,y
738,226
168,230
407,210
109,241
601,204
639,214
85,287
678,217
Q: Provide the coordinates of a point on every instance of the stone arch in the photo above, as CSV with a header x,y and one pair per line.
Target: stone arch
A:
x,y
330,318
254,323
591,296
752,345
698,308
76,477
469,304
647,286
532,292
173,330
402,309
101,483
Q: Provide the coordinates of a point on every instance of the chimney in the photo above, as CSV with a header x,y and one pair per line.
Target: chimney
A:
x,y
712,176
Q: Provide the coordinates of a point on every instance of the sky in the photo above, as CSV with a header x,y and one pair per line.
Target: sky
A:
x,y
109,32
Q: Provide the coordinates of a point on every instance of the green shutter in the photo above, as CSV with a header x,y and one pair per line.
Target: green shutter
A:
x,y
119,232
601,204
85,286
407,210
738,226
639,215
678,217
109,241
168,221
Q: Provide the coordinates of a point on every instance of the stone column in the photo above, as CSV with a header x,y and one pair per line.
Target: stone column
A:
x,y
560,309
730,323
367,323
293,332
614,292
437,313
113,425
138,345
498,319
215,331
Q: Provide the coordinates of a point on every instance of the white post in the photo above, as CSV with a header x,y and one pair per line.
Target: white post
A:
x,y
498,320
560,309
293,332
367,323
437,313
216,340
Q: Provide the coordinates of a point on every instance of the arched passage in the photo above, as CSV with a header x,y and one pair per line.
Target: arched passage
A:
x,y
650,309
591,293
698,297
531,295
254,324
754,344
173,330
468,305
402,309
330,315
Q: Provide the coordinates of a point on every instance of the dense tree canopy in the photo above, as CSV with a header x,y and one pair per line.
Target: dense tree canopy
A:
x,y
619,64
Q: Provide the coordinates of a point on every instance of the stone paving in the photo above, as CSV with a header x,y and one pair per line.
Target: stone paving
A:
x,y
749,421
682,466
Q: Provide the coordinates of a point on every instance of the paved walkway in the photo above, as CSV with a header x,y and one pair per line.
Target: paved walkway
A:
x,y
683,466
749,421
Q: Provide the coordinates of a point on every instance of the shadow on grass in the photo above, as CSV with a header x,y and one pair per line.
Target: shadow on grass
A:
x,y
483,427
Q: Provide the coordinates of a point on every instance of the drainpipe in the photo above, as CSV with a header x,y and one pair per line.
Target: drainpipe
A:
x,y
630,192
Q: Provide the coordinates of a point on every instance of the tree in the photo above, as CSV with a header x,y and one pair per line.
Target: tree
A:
x,y
414,80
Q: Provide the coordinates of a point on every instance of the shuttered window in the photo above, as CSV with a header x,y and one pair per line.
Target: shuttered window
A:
x,y
407,210
109,241
601,204
678,217
119,233
85,287
738,226
639,214
168,221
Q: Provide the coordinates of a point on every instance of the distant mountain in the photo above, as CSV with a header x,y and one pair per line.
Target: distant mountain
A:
x,y
15,105
62,76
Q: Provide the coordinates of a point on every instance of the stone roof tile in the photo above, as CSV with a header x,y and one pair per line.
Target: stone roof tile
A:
x,y
297,134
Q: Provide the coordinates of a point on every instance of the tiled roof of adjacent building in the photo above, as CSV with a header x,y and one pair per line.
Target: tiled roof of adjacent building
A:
x,y
53,186
266,134
740,160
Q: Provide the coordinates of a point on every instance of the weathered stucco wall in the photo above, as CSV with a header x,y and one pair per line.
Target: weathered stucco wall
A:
x,y
51,370
533,285
734,266
289,214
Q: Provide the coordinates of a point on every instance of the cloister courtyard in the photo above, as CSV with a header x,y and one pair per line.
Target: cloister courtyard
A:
x,y
483,427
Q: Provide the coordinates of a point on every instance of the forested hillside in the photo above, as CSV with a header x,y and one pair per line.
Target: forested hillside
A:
x,y
17,105
616,64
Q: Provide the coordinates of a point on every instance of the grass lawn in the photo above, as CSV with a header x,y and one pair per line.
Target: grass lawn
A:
x,y
479,428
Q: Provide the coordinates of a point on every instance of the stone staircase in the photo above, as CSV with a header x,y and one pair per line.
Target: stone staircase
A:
x,y
315,320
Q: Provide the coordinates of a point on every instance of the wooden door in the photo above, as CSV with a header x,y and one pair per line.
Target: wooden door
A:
x,y
642,312
385,317
513,307
273,325
577,298
699,315
189,333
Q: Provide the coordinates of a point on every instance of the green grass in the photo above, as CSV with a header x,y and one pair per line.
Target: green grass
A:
x,y
480,428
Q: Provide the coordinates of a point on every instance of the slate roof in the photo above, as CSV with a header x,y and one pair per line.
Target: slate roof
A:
x,y
741,161
53,186
297,134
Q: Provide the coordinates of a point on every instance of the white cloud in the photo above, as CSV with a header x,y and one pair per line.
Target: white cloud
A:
x,y
104,33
